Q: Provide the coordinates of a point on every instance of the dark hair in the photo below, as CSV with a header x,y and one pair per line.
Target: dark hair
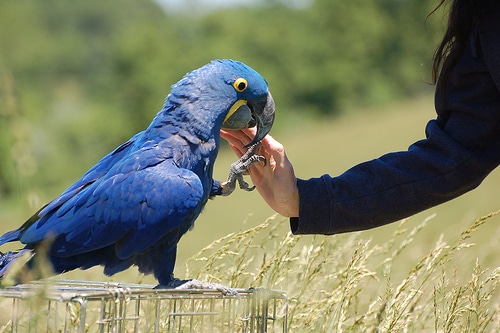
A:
x,y
460,23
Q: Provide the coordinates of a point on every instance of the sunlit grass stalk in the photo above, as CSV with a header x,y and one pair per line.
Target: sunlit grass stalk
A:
x,y
345,283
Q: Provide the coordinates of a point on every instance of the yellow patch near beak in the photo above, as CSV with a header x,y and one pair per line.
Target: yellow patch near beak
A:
x,y
235,107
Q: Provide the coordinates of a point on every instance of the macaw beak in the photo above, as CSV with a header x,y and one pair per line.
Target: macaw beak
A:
x,y
246,114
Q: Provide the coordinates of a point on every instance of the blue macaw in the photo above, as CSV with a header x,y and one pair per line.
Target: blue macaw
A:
x,y
135,204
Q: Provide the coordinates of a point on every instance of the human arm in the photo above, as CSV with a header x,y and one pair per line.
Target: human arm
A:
x,y
373,193
462,146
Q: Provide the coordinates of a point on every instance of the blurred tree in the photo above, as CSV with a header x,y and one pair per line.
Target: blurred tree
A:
x,y
90,74
7,113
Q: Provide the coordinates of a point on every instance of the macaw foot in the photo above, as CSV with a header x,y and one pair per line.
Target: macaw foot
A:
x,y
197,284
239,168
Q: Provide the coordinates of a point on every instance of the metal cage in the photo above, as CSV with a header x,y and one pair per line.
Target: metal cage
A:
x,y
84,306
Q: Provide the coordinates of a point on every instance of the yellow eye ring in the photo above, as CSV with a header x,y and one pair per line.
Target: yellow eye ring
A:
x,y
240,85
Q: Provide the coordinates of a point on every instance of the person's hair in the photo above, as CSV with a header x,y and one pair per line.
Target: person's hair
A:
x,y
460,24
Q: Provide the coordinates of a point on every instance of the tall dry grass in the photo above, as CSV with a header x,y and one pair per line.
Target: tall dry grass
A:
x,y
350,284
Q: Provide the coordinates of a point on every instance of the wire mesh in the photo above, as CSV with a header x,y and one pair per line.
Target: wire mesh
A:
x,y
83,306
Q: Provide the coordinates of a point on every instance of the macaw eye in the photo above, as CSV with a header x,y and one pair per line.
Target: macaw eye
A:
x,y
240,84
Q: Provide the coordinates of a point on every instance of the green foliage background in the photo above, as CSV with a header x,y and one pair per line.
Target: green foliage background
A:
x,y
79,78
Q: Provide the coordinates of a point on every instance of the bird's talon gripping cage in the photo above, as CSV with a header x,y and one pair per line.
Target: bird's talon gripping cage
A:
x,y
83,306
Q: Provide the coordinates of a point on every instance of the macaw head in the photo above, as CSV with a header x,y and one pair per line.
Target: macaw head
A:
x,y
227,94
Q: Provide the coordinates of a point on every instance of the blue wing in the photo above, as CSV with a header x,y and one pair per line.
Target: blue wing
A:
x,y
96,172
137,202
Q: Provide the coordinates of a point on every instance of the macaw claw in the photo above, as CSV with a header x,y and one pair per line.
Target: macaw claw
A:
x,y
197,284
240,168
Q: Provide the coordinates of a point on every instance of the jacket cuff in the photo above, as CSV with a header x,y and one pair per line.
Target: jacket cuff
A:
x,y
313,194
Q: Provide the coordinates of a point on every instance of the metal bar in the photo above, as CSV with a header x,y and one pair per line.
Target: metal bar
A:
x,y
81,306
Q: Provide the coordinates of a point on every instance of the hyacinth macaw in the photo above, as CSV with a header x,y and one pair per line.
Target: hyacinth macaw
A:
x,y
134,205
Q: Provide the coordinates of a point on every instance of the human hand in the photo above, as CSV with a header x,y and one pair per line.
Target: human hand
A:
x,y
276,180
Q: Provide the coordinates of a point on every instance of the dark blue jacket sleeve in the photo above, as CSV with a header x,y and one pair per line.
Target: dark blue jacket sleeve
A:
x,y
462,146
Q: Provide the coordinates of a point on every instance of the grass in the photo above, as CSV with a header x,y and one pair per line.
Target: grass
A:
x,y
351,284
424,274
